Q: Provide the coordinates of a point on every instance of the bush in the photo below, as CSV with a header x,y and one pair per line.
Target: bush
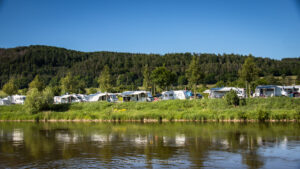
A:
x,y
37,101
232,98
243,102
33,102
263,115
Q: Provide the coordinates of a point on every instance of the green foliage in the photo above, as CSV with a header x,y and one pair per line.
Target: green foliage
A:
x,y
162,77
47,97
37,101
104,80
220,84
22,91
92,91
10,87
203,109
33,102
249,71
146,79
37,83
263,115
182,80
71,84
51,63
194,73
232,98
2,94
243,102
56,90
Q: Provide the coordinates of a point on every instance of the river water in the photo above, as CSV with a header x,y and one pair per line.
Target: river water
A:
x,y
149,145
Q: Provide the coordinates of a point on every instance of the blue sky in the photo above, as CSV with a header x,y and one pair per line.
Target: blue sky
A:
x,y
266,28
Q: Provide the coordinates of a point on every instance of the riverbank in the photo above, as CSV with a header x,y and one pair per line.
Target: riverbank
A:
x,y
256,109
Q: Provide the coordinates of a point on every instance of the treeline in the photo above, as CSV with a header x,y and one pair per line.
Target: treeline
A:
x,y
127,69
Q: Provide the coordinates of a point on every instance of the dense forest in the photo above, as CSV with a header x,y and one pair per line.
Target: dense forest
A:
x,y
53,63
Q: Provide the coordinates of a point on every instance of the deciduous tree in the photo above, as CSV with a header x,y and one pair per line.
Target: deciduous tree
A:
x,y
249,72
146,79
194,73
37,83
162,77
104,80
10,87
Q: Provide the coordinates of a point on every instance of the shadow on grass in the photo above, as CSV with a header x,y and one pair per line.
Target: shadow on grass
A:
x,y
60,107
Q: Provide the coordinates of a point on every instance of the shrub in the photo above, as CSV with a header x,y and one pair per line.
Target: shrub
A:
x,y
232,98
33,102
37,101
263,115
243,102
47,98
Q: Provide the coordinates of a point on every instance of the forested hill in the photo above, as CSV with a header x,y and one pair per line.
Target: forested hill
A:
x,y
52,63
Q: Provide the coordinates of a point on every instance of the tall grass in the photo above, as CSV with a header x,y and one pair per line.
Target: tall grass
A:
x,y
261,109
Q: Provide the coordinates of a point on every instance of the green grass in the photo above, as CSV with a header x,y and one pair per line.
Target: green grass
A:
x,y
279,108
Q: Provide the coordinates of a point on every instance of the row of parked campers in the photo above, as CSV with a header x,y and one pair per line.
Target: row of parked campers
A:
x,y
274,90
260,91
137,96
73,98
140,96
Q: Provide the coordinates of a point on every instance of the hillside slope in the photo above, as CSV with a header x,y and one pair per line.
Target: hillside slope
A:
x,y
52,63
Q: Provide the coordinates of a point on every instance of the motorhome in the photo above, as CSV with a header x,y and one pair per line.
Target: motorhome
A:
x,y
267,91
176,94
290,91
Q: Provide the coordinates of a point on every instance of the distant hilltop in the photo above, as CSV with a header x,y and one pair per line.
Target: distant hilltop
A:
x,y
52,63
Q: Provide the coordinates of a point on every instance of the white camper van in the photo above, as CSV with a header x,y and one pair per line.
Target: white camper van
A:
x,y
176,94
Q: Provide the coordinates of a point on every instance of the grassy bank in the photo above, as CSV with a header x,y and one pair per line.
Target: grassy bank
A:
x,y
280,108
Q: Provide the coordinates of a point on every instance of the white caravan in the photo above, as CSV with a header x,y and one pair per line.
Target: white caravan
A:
x,y
176,94
110,97
139,96
267,91
67,98
221,92
17,99
4,101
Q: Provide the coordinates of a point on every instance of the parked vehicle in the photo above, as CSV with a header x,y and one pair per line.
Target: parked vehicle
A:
x,y
139,96
176,94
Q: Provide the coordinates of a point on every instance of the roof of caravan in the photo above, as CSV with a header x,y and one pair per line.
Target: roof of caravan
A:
x,y
20,96
225,89
127,93
100,94
266,86
289,87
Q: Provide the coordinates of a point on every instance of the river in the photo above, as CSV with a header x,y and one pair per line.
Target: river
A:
x,y
149,145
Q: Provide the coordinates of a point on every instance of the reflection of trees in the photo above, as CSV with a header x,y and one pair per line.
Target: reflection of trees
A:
x,y
198,149
108,142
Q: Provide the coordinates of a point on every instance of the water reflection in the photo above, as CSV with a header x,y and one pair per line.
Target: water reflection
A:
x,y
183,145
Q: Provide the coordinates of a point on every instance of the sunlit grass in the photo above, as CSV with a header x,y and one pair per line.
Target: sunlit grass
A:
x,y
278,108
